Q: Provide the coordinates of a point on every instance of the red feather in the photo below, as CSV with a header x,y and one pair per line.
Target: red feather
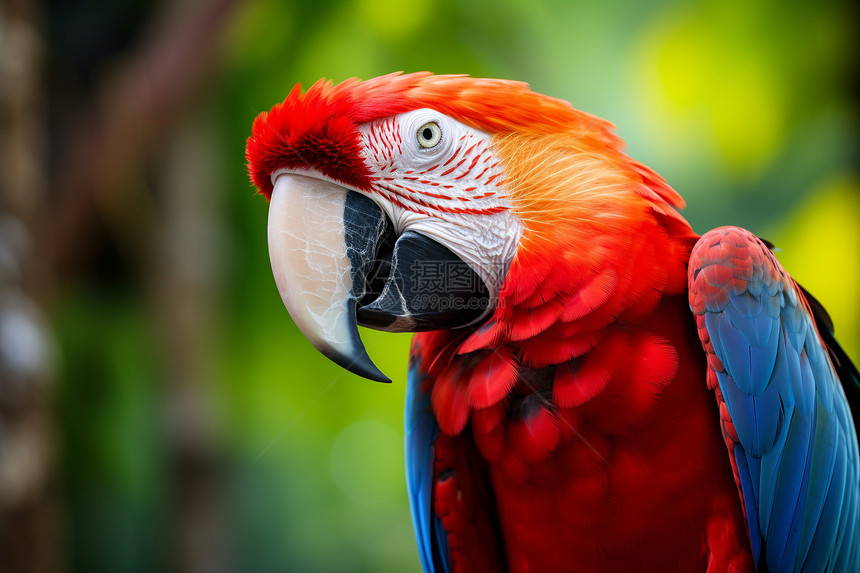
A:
x,y
577,382
492,379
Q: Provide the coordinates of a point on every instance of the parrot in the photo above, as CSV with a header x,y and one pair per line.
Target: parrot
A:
x,y
592,386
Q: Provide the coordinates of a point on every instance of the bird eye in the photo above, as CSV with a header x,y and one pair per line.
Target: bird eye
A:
x,y
429,135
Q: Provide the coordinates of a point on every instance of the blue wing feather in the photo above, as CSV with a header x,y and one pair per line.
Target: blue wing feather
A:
x,y
796,454
745,473
421,432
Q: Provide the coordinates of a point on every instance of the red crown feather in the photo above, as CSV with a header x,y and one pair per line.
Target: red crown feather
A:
x,y
318,128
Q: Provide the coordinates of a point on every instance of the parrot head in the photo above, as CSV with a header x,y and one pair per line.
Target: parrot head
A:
x,y
415,202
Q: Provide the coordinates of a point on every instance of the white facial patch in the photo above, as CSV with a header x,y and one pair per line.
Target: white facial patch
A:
x,y
446,185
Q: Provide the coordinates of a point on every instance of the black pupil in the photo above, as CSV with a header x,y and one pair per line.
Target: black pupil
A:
x,y
427,133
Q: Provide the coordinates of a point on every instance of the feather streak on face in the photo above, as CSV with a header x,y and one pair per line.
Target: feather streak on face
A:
x,y
434,175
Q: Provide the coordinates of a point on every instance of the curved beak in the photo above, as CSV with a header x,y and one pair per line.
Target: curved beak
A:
x,y
336,264
311,222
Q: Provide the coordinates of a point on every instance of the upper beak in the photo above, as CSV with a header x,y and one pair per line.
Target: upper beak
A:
x,y
336,264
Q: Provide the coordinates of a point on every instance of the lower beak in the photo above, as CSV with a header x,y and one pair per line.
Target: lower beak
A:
x,y
336,265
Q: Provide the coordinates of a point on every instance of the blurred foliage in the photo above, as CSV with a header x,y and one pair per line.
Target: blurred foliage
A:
x,y
745,107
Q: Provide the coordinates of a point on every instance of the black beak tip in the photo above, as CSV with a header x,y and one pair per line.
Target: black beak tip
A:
x,y
358,362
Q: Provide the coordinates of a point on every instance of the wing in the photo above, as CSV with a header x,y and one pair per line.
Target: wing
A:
x,y
421,433
784,413
453,507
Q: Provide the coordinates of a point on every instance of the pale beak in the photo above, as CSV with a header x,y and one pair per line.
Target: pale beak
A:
x,y
321,238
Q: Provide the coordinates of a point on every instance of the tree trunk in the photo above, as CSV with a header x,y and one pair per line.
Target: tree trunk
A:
x,y
184,273
31,538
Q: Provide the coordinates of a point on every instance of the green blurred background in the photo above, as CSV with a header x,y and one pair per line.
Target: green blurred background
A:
x,y
170,416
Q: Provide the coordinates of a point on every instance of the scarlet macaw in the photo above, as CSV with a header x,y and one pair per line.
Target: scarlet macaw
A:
x,y
560,411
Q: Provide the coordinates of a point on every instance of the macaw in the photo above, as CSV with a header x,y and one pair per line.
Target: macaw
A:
x,y
592,386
